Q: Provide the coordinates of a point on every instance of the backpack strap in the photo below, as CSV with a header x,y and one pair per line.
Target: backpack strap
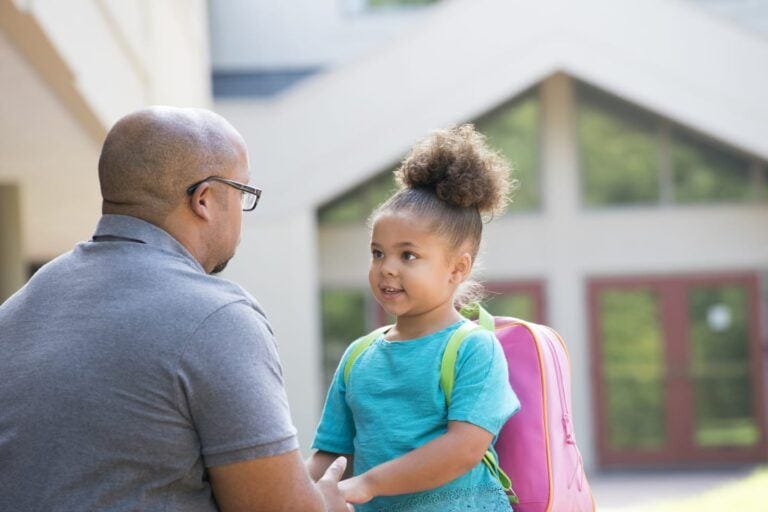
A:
x,y
448,365
359,346
451,353
484,318
448,377
492,463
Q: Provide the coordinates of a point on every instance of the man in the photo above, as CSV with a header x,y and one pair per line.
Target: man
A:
x,y
131,378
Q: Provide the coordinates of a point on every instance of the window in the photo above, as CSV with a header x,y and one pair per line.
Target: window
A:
x,y
518,305
719,332
362,6
631,157
514,130
344,318
357,205
387,3
633,368
517,299
619,153
705,172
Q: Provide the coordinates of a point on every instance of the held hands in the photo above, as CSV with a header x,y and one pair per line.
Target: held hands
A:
x,y
356,489
329,487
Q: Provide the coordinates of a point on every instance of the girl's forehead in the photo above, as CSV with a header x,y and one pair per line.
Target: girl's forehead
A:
x,y
403,227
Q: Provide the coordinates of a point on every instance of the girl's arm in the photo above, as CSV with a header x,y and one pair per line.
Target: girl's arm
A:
x,y
318,463
443,459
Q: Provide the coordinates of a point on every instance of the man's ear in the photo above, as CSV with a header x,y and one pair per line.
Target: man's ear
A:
x,y
462,267
201,201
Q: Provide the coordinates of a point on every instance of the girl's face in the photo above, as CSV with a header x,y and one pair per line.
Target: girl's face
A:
x,y
413,271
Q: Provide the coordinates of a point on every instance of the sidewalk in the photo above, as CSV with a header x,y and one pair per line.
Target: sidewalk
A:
x,y
635,491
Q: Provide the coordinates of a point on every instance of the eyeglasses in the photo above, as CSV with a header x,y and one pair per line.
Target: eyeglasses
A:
x,y
250,194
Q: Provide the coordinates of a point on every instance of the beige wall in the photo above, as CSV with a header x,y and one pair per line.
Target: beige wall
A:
x,y
132,53
68,71
50,156
11,264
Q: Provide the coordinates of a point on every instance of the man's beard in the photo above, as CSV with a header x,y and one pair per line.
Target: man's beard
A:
x,y
220,267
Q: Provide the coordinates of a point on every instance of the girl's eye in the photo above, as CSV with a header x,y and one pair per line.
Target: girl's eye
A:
x,y
409,256
376,254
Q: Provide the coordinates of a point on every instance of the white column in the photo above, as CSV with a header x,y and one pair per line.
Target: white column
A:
x,y
566,283
277,263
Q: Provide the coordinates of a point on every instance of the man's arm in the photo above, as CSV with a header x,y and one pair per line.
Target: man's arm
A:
x,y
319,462
443,459
278,484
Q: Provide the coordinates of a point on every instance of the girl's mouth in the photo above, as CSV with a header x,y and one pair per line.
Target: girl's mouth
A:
x,y
391,293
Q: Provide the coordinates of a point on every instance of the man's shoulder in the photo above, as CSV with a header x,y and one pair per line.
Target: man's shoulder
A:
x,y
178,281
215,293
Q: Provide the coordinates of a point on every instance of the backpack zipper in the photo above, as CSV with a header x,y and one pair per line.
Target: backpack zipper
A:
x,y
566,418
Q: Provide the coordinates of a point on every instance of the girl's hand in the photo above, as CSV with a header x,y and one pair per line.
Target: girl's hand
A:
x,y
356,490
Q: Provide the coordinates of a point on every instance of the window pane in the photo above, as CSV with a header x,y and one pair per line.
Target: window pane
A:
x,y
519,305
704,172
720,366
350,208
380,190
514,130
357,205
379,3
763,180
633,369
619,153
344,320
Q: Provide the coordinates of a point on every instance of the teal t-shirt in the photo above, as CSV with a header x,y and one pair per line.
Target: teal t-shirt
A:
x,y
393,404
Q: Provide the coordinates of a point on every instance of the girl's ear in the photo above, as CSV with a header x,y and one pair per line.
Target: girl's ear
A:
x,y
462,267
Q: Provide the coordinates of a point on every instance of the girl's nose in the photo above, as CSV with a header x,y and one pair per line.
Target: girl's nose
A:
x,y
388,268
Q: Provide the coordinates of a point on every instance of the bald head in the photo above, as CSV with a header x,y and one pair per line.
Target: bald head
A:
x,y
151,156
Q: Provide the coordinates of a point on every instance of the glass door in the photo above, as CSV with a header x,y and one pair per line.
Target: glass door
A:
x,y
720,368
677,370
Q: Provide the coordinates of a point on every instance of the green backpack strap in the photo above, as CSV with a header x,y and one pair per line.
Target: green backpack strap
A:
x,y
484,318
448,377
451,353
359,346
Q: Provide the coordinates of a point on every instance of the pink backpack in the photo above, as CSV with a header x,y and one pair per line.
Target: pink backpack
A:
x,y
537,447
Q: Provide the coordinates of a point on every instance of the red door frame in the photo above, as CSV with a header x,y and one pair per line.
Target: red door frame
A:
x,y
679,400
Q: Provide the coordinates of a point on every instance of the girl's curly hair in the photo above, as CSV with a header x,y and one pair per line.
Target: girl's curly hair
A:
x,y
460,168
455,179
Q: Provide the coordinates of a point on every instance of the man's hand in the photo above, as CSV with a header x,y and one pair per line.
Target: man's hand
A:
x,y
277,483
319,462
356,490
328,486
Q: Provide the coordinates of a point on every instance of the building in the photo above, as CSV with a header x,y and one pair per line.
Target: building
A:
x,y
68,71
638,134
637,130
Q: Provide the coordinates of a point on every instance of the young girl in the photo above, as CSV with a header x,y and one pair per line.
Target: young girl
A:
x,y
410,451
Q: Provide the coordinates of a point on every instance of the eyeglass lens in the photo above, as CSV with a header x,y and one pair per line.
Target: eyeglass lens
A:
x,y
248,201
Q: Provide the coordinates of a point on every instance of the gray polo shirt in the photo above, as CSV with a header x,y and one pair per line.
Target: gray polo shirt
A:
x,y
125,371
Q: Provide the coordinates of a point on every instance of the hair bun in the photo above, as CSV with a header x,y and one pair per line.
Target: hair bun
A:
x,y
461,169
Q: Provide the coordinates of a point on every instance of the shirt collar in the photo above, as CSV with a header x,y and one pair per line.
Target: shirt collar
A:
x,y
133,228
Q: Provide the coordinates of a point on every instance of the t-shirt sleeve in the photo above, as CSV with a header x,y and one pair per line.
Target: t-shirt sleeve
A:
x,y
231,387
481,393
336,430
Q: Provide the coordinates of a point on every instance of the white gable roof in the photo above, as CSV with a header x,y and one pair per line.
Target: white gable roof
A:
x,y
668,56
